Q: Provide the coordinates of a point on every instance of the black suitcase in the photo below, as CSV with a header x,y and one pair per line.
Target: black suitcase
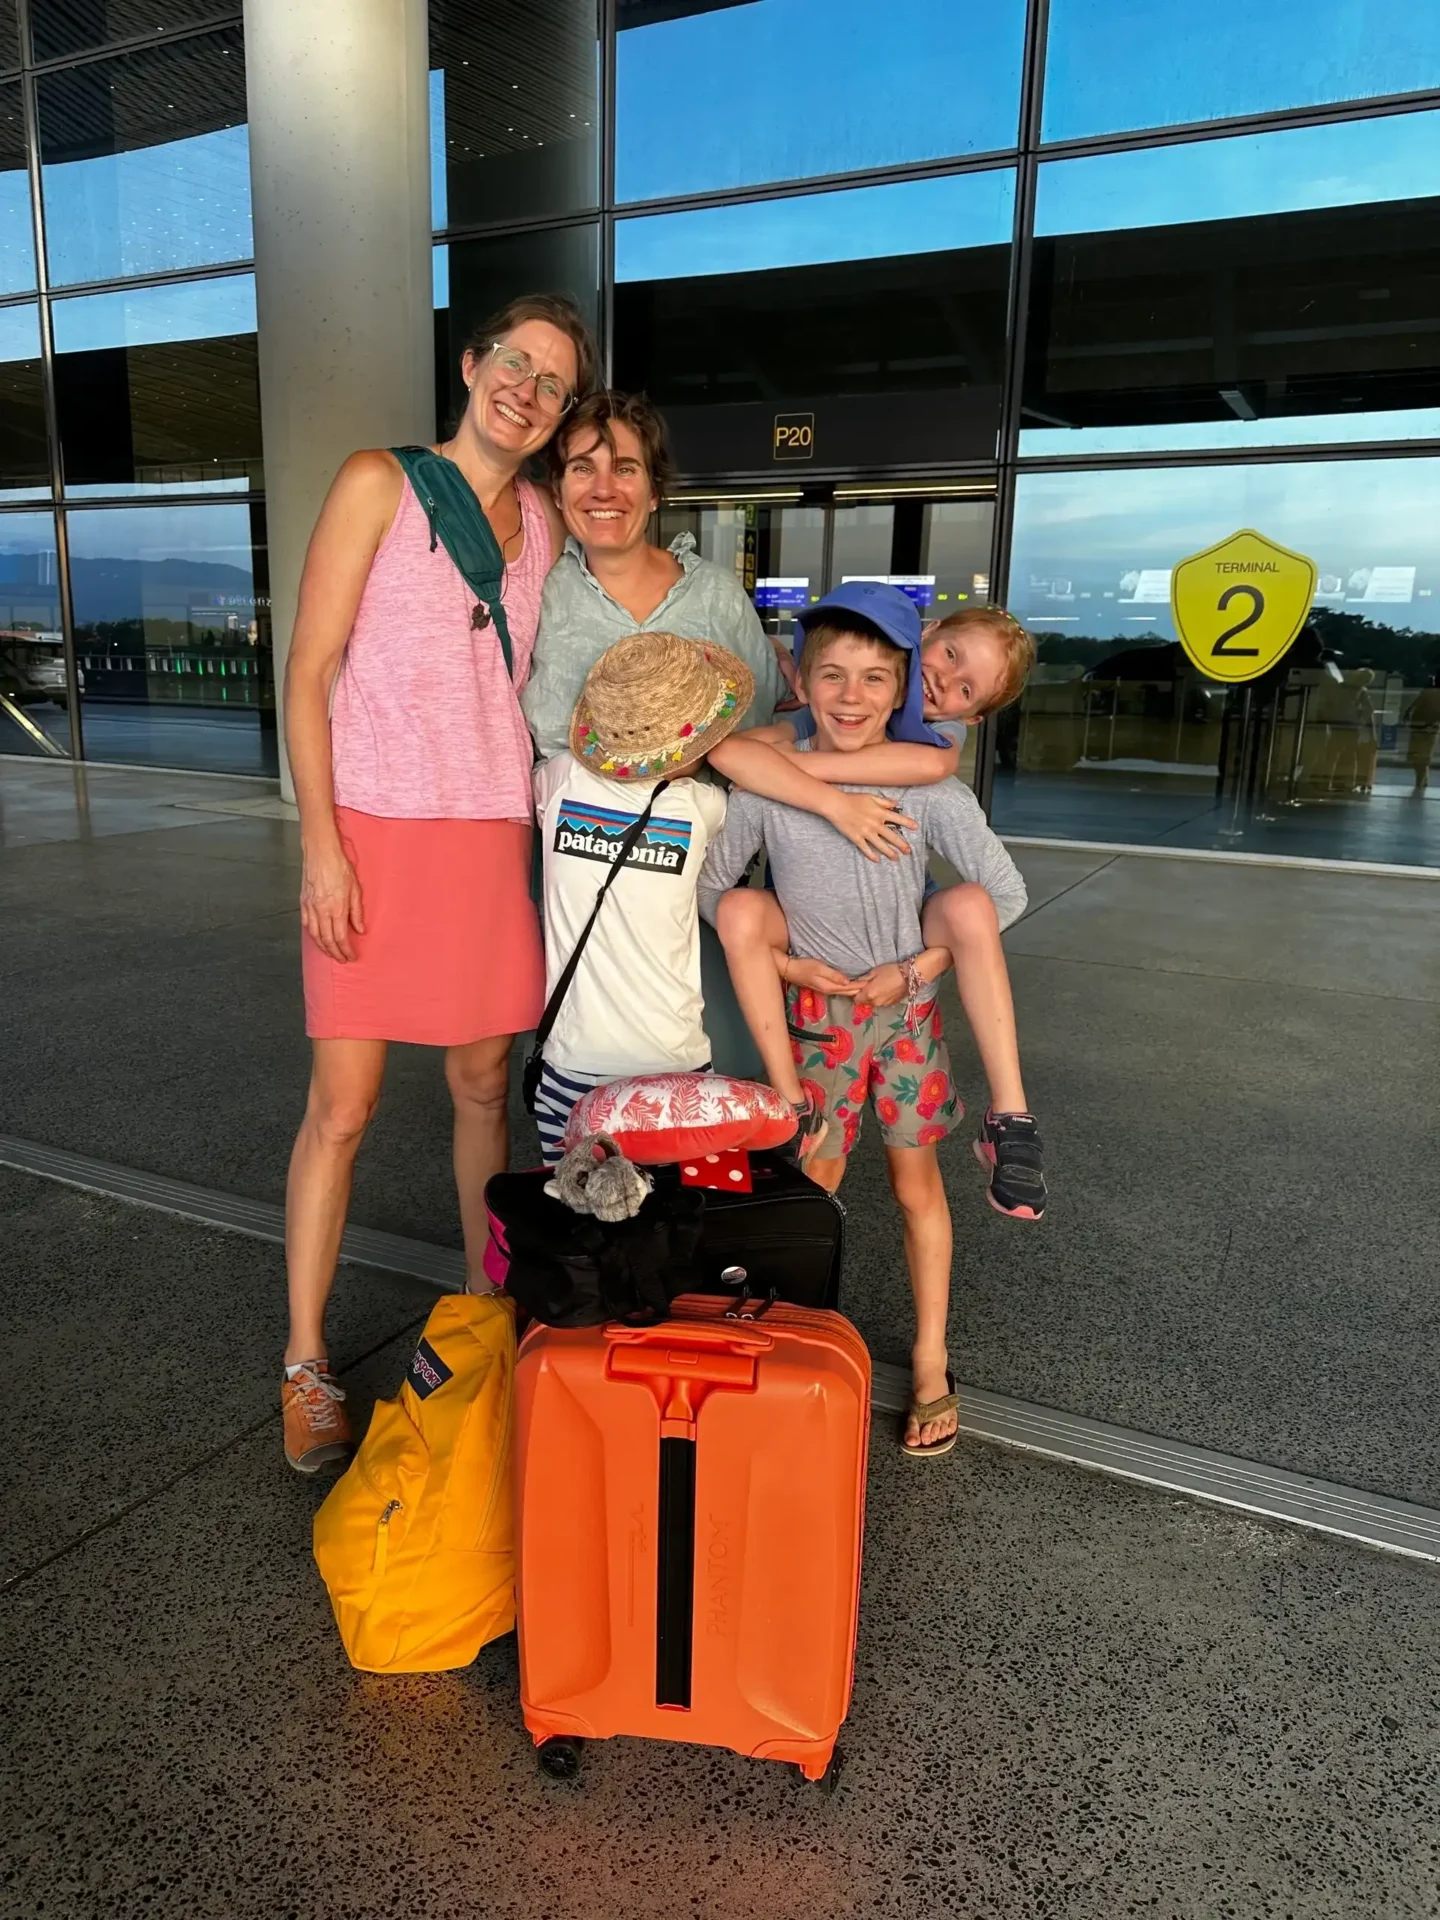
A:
x,y
788,1235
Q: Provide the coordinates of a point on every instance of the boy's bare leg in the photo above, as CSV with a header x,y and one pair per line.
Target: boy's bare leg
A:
x,y
827,1173
752,930
920,1194
963,919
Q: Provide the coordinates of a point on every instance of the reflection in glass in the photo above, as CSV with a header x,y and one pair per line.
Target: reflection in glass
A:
x,y
1118,737
58,27
9,36
937,551
34,699
156,388
514,109
881,311
172,631
482,275
24,449
1275,290
146,161
1111,64
711,97
17,231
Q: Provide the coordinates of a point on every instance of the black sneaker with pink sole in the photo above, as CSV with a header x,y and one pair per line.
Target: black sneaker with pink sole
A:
x,y
1009,1149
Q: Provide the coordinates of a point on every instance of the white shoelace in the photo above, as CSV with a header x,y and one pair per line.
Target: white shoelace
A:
x,y
319,1393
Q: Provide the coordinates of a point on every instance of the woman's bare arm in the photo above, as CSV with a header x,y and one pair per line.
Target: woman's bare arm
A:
x,y
357,512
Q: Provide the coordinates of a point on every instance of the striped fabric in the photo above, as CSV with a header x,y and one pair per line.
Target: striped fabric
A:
x,y
556,1096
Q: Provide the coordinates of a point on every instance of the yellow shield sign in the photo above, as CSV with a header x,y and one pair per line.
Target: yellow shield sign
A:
x,y
1239,605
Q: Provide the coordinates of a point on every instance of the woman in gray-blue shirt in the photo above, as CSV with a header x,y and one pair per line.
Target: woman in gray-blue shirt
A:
x,y
609,465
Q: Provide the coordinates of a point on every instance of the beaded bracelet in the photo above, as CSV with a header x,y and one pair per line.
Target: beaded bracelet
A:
x,y
916,987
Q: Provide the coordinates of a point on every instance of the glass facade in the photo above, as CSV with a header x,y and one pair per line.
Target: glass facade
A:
x,y
134,603
1036,330
713,98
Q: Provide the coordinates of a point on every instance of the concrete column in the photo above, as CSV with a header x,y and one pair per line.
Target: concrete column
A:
x,y
340,186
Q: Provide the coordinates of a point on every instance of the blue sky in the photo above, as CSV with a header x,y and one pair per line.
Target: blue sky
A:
x,y
1118,64
1348,163
219,533
785,89
856,223
1086,530
143,316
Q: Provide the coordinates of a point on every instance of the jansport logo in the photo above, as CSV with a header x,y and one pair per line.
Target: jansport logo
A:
x,y
427,1371
594,833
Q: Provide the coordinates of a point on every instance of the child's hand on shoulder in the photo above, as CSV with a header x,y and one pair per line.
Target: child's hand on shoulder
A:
x,y
871,821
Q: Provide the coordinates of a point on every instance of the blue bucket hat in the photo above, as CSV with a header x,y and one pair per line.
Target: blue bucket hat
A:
x,y
898,618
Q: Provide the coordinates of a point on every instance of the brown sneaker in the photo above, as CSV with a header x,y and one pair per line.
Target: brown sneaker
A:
x,y
317,1427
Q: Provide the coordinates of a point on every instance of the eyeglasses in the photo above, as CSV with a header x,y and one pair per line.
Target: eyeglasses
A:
x,y
552,395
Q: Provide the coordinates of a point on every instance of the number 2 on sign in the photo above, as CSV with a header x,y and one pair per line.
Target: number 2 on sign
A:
x,y
1257,607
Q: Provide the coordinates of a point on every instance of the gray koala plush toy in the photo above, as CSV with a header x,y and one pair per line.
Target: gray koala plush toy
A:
x,y
596,1178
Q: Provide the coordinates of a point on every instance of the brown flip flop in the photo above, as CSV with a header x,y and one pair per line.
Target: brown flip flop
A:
x,y
924,1410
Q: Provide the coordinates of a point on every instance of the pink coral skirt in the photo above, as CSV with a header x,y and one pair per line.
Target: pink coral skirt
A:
x,y
451,950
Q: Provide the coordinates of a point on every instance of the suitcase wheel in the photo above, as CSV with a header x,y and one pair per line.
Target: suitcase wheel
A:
x,y
830,1779
560,1757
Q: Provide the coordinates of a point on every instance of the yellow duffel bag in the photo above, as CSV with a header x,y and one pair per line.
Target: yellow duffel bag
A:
x,y
416,1541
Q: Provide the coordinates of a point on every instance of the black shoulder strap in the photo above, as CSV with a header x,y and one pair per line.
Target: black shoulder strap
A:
x,y
628,843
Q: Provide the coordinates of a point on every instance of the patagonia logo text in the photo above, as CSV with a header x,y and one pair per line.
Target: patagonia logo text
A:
x,y
594,833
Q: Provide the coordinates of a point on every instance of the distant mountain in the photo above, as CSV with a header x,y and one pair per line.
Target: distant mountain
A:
x,y
166,589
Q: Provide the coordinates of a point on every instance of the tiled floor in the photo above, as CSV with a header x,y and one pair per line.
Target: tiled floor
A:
x,y
1073,1698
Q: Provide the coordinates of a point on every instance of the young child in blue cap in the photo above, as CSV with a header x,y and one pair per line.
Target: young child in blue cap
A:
x,y
914,752
864,1026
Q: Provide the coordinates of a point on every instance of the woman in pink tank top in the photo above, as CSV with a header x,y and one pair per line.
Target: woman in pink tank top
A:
x,y
411,761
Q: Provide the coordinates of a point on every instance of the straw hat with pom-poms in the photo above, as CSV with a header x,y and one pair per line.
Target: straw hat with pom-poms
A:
x,y
654,704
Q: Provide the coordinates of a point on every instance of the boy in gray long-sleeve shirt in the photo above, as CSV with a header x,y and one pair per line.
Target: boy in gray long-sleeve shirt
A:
x,y
864,1022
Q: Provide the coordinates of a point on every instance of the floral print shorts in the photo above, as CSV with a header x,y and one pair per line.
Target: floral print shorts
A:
x,y
847,1052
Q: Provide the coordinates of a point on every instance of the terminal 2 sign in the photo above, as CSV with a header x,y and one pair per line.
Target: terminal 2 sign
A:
x,y
1239,606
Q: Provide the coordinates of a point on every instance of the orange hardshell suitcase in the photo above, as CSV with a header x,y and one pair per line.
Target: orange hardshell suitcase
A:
x,y
691,1506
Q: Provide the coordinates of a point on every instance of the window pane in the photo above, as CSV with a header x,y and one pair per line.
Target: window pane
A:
x,y
156,389
172,630
514,109
1118,737
480,276
58,27
9,36
879,311
24,449
17,232
1271,290
731,96
34,706
1112,64
146,161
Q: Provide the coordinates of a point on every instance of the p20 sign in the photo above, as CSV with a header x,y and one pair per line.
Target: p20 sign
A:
x,y
1239,605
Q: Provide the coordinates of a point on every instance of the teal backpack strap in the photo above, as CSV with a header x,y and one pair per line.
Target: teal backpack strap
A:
x,y
458,522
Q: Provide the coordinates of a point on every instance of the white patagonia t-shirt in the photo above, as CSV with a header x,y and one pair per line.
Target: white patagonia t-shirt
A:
x,y
635,1004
